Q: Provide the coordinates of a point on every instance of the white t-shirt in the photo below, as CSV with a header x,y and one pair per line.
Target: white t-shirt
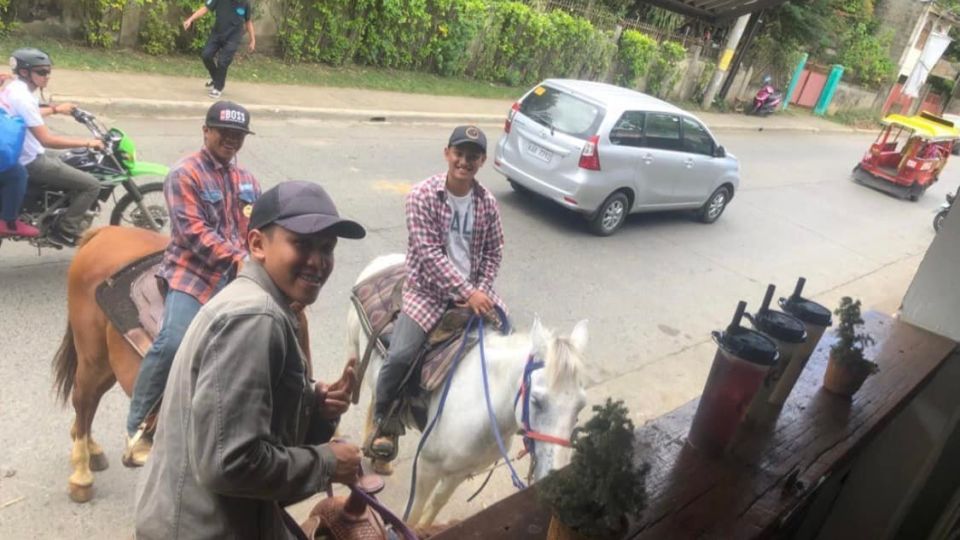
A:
x,y
18,100
461,231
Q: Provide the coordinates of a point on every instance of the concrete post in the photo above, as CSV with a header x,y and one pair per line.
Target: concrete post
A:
x,y
691,73
732,41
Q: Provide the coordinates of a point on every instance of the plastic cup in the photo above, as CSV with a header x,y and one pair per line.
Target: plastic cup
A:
x,y
742,360
816,319
789,333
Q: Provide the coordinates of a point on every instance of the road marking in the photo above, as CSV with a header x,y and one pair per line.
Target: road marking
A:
x,y
395,186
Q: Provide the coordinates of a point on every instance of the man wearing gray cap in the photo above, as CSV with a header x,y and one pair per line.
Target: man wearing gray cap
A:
x,y
454,249
243,431
210,199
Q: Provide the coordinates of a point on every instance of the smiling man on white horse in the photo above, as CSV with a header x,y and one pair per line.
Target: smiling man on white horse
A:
x,y
454,251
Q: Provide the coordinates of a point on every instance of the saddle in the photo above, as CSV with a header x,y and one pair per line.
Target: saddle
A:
x,y
358,516
378,301
133,302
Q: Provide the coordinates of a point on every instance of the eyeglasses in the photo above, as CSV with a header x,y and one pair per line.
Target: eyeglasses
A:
x,y
42,72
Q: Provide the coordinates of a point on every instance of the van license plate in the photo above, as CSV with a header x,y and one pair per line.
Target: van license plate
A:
x,y
539,152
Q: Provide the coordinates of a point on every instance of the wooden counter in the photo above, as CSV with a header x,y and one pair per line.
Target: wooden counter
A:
x,y
765,484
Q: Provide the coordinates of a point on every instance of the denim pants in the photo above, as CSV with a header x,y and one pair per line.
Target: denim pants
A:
x,y
13,185
179,309
405,342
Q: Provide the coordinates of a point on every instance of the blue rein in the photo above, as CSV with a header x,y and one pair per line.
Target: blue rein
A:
x,y
475,321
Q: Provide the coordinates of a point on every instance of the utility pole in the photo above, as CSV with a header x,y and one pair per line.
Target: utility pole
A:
x,y
732,41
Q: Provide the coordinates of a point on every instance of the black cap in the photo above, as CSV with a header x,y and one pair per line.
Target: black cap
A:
x,y
779,325
749,345
807,311
229,115
468,134
303,208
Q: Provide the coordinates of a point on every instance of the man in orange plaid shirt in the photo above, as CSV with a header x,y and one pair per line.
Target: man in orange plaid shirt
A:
x,y
210,200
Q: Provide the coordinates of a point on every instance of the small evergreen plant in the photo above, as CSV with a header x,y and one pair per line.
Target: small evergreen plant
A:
x,y
852,341
601,486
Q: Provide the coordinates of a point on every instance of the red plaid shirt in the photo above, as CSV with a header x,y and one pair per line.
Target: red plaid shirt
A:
x,y
210,206
432,279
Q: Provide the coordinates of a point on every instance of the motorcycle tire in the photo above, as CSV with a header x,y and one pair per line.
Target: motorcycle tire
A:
x,y
938,220
158,208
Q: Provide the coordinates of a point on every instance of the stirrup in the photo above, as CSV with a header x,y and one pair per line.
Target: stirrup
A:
x,y
138,449
379,438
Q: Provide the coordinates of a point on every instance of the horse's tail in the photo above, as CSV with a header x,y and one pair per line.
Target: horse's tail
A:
x,y
65,366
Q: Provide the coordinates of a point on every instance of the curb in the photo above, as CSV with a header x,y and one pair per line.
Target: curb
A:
x,y
153,107
147,107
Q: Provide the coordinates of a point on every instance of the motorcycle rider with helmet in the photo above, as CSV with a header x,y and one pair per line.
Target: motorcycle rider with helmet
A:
x,y
32,68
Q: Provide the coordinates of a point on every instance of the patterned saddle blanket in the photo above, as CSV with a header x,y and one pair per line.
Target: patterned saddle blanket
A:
x,y
133,302
377,301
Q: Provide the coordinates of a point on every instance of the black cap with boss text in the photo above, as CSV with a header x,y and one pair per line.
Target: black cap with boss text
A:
x,y
303,208
229,115
468,134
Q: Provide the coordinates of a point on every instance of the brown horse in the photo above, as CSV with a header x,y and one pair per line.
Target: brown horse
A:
x,y
93,355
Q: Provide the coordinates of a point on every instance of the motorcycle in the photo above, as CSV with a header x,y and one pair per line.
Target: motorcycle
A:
x,y
943,210
766,102
143,204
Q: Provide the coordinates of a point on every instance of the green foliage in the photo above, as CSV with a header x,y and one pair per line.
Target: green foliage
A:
x,y
601,486
6,19
665,69
636,52
866,55
324,31
157,35
851,341
100,21
194,39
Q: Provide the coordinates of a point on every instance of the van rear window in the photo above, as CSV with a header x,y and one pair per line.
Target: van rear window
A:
x,y
562,112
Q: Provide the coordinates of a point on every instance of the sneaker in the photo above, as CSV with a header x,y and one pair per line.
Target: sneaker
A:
x,y
57,236
19,229
208,84
214,93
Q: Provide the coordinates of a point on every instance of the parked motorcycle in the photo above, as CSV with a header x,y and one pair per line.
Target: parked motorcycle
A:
x,y
767,100
943,210
143,204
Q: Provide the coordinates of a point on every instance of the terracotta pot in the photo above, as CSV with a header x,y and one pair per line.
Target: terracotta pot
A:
x,y
845,379
559,531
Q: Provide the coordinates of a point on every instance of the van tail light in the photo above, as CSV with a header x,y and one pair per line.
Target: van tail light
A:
x,y
590,156
510,115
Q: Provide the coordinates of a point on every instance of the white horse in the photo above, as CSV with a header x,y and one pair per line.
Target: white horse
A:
x,y
462,441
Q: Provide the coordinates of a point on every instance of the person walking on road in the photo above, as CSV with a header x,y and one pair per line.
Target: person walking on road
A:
x,y
231,17
243,431
210,200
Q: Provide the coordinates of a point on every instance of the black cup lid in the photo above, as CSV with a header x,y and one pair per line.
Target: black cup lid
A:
x,y
806,310
780,326
749,345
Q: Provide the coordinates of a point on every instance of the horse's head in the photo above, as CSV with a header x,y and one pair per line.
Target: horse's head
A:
x,y
555,396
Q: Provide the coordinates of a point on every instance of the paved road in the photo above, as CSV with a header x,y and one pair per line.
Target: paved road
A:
x,y
652,292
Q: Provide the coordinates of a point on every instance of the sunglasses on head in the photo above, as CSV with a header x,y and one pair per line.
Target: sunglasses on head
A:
x,y
42,72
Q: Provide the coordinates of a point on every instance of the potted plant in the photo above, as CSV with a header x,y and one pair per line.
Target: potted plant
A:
x,y
593,496
848,368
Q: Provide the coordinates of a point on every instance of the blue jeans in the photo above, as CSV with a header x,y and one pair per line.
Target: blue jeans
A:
x,y
178,311
13,186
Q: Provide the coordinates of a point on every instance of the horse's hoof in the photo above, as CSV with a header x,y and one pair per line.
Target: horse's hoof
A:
x,y
80,494
98,462
383,468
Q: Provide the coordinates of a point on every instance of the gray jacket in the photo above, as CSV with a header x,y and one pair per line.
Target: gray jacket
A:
x,y
239,431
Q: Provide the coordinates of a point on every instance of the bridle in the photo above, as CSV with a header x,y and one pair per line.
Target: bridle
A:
x,y
530,436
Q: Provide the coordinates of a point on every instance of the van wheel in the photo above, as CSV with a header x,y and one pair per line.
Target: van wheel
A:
x,y
517,187
611,215
715,205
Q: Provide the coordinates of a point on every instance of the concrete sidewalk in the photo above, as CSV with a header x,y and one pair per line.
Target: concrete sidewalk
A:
x,y
160,95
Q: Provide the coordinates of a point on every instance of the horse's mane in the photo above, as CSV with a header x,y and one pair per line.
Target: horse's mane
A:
x,y
87,236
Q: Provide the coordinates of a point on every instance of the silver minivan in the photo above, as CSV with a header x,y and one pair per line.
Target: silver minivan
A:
x,y
606,151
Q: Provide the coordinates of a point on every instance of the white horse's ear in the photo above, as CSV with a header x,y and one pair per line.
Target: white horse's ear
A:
x,y
538,335
578,338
